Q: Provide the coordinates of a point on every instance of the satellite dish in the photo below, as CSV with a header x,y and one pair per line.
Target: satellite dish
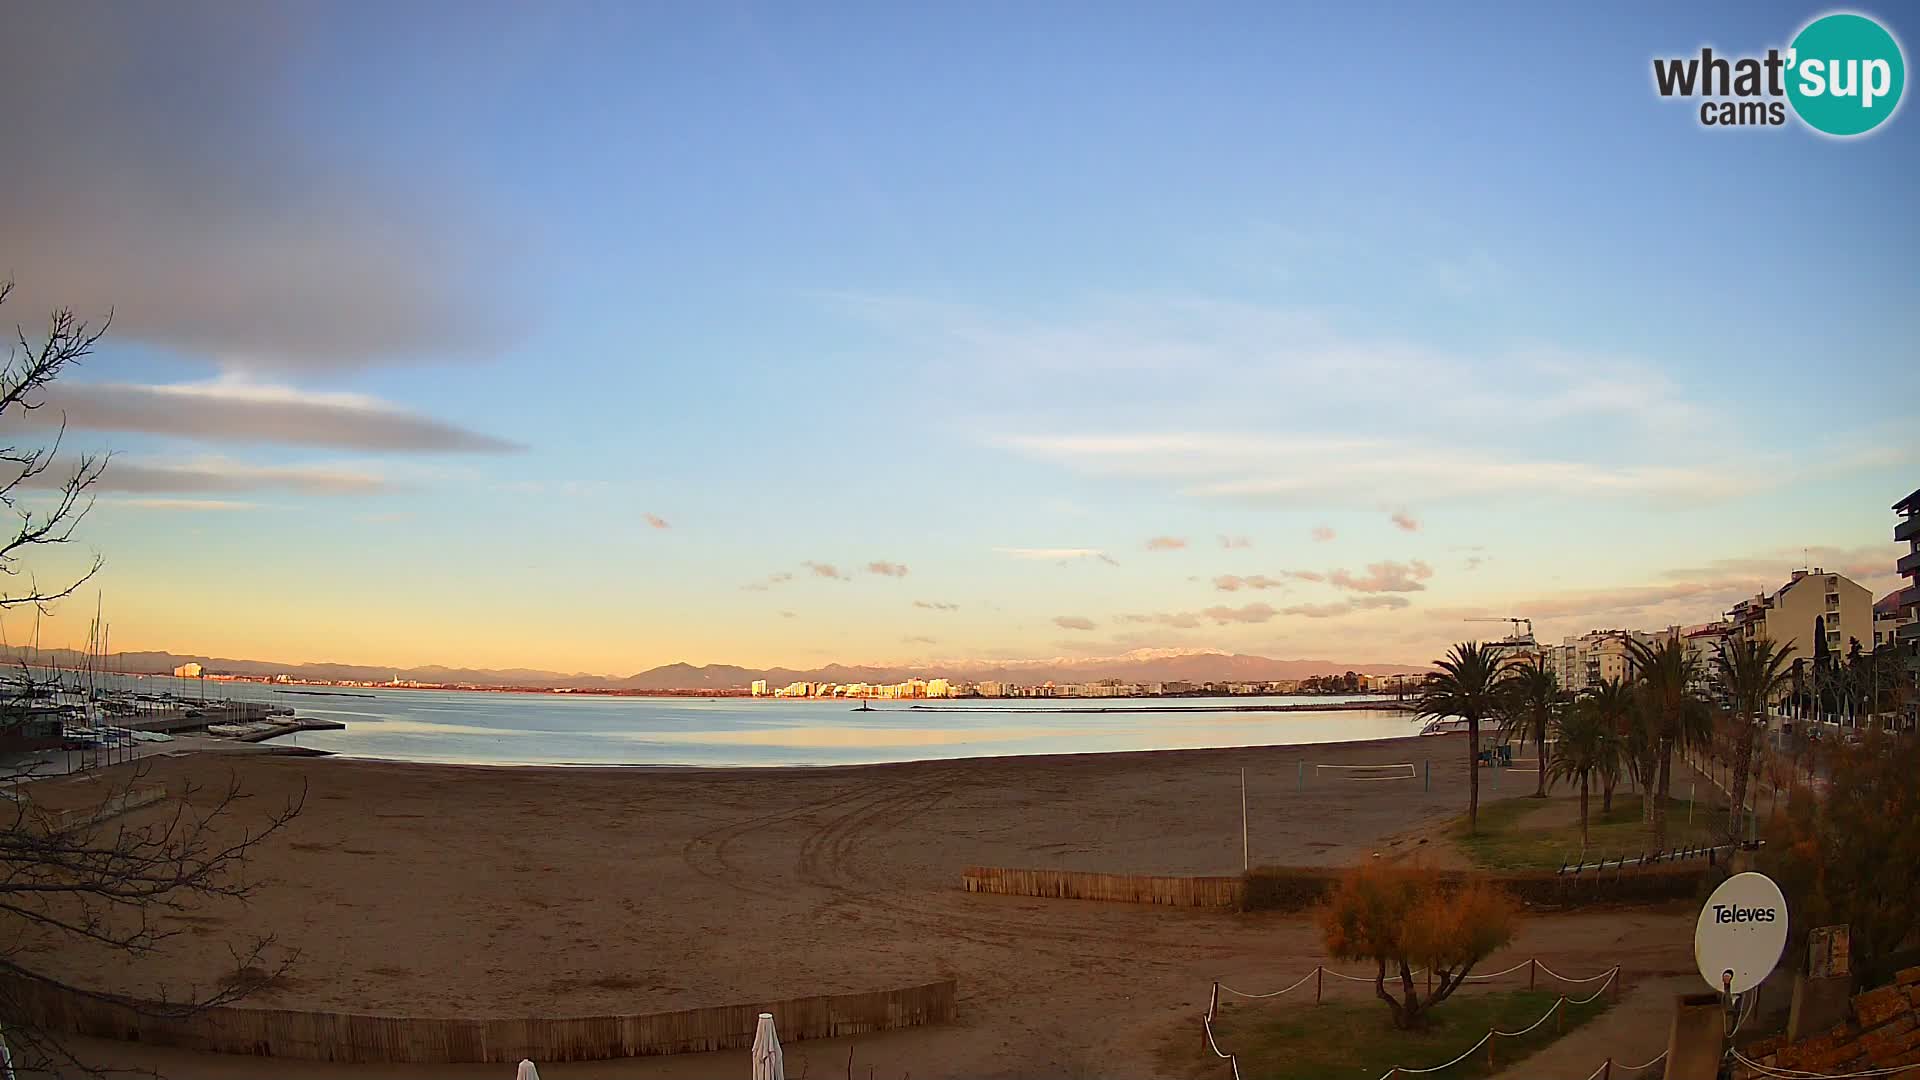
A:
x,y
1741,933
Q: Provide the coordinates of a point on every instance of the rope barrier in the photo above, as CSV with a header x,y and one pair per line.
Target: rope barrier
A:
x,y
1233,1062
1419,971
1658,1058
1497,974
1559,1004
1797,1074
1276,993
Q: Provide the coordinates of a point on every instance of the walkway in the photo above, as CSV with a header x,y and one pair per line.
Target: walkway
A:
x,y
1631,1032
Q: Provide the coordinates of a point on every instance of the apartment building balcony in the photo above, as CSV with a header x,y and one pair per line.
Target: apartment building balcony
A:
x,y
1907,529
1908,565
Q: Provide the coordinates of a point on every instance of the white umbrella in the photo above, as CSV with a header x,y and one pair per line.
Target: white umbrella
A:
x,y
767,1063
526,1071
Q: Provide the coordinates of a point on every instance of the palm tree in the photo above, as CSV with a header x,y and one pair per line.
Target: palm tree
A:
x,y
1751,674
1531,699
1612,700
1667,673
1467,685
1585,746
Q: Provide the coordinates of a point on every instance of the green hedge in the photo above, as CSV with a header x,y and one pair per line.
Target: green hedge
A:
x,y
1299,888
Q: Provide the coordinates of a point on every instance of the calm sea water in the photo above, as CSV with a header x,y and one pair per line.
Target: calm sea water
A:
x,y
526,729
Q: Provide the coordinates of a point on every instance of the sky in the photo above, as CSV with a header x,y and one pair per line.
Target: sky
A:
x,y
591,337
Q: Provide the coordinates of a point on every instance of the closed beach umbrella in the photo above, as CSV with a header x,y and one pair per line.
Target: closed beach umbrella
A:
x,y
767,1064
526,1071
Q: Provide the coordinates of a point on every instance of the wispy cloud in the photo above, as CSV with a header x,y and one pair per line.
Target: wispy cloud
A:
x,y
1062,555
825,570
1166,543
1235,541
220,476
1178,620
1346,607
214,505
1387,576
887,569
1405,522
1073,622
1322,533
935,605
234,409
1250,613
1234,582
920,639
786,614
780,577
655,521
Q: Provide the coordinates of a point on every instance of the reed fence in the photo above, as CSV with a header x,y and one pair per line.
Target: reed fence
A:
x,y
365,1039
1120,888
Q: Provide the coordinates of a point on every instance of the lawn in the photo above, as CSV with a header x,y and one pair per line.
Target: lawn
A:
x,y
1507,840
1354,1040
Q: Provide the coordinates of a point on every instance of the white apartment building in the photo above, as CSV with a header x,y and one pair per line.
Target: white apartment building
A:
x,y
1811,605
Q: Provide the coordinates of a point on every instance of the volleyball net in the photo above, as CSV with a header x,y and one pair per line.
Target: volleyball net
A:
x,y
1401,771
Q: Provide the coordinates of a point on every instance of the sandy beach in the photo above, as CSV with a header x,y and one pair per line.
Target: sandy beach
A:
x,y
488,891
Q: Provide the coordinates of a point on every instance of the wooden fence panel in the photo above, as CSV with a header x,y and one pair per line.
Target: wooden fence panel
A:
x,y
1119,888
363,1039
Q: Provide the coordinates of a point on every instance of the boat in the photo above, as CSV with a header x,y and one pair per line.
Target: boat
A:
x,y
865,706
1446,725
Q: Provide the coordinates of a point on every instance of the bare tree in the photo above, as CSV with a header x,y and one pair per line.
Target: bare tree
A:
x,y
30,367
94,877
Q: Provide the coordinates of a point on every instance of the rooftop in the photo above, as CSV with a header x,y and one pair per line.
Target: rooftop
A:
x,y
1909,504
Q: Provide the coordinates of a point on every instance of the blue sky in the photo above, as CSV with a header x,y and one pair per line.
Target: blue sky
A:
x,y
421,312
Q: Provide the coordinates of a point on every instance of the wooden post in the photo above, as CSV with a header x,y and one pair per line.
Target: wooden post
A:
x,y
1491,1039
1533,966
1560,1016
1319,977
1606,1070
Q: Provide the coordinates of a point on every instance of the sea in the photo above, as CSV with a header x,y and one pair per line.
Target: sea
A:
x,y
580,729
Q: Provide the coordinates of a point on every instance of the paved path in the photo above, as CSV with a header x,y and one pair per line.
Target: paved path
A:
x,y
1631,1032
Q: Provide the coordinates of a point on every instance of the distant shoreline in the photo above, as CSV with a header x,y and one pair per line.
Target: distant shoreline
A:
x,y
1386,704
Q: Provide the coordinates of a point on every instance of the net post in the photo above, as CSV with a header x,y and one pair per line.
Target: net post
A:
x,y
1319,977
1427,782
1303,776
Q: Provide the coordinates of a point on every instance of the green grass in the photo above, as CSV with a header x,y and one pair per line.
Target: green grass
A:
x,y
1294,1039
1506,841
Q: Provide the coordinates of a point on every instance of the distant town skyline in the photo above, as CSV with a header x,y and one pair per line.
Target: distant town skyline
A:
x,y
756,337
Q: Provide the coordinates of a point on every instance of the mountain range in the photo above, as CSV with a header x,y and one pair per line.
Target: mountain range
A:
x,y
1145,665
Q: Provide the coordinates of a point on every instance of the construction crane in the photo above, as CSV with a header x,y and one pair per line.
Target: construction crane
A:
x,y
1517,624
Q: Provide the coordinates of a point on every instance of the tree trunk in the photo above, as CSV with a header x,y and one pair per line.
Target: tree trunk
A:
x,y
1400,1019
1660,793
1742,753
1606,794
1413,996
1583,818
1473,775
1540,751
